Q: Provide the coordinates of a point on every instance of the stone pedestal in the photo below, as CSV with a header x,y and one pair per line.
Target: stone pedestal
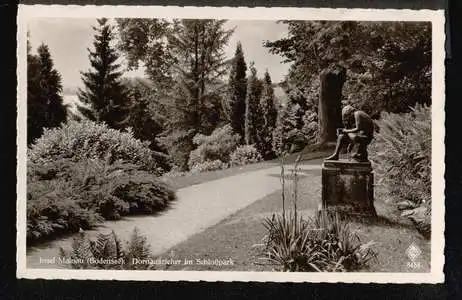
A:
x,y
348,187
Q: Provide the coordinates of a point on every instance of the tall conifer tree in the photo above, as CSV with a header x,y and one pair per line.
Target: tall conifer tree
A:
x,y
237,91
269,114
253,117
185,59
105,97
44,100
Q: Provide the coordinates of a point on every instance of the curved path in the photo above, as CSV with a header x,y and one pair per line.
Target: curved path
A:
x,y
197,208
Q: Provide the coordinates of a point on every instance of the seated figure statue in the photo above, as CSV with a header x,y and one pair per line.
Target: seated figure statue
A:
x,y
356,136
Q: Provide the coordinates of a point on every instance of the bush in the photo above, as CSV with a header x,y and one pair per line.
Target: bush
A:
x,y
244,155
90,140
107,252
310,126
65,195
401,154
208,165
324,244
217,146
53,208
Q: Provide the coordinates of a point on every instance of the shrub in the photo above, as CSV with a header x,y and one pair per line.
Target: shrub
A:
x,y
107,252
310,126
90,140
208,165
217,146
401,154
243,155
77,194
324,244
53,208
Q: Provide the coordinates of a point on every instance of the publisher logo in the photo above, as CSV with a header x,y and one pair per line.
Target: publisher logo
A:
x,y
413,252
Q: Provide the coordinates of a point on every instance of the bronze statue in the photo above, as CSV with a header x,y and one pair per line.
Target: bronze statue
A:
x,y
357,134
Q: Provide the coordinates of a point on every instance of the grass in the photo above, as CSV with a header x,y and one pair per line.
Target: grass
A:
x,y
309,153
236,236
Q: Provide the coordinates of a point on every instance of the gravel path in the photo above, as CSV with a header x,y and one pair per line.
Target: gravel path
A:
x,y
197,208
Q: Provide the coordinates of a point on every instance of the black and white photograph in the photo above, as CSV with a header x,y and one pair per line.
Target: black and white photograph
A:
x,y
255,145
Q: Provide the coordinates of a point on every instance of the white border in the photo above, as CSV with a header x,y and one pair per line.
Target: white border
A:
x,y
436,275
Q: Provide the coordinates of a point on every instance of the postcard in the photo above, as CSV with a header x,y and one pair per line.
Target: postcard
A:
x,y
164,143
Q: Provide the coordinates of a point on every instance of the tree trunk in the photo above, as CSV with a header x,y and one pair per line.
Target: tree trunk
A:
x,y
329,111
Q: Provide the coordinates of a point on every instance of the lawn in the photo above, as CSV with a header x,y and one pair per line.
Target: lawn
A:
x,y
310,152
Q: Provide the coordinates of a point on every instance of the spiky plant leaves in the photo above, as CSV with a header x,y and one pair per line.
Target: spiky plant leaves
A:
x,y
324,243
106,251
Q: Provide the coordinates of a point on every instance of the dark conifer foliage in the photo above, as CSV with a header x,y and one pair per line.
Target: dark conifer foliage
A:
x,y
105,97
44,100
186,62
269,114
237,91
253,114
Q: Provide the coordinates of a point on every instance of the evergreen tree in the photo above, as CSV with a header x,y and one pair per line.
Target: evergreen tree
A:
x,y
197,95
35,104
186,62
44,100
269,114
104,96
144,120
288,135
237,91
253,116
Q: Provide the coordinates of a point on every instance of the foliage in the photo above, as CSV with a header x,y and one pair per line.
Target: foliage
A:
x,y
401,153
244,155
310,126
179,144
146,119
237,85
390,71
216,146
87,139
52,209
269,116
186,62
105,96
143,42
44,100
324,244
208,165
65,195
106,251
253,115
288,135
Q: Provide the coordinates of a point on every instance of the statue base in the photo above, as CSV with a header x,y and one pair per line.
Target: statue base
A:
x,y
348,187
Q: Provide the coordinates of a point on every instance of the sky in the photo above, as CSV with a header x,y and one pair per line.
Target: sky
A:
x,y
68,40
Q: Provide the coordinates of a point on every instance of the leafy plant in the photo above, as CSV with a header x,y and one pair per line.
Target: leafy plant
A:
x,y
244,155
53,208
208,165
106,251
401,153
326,243
64,196
216,146
90,140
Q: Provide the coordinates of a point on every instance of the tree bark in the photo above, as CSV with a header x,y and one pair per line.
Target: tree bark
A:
x,y
329,111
